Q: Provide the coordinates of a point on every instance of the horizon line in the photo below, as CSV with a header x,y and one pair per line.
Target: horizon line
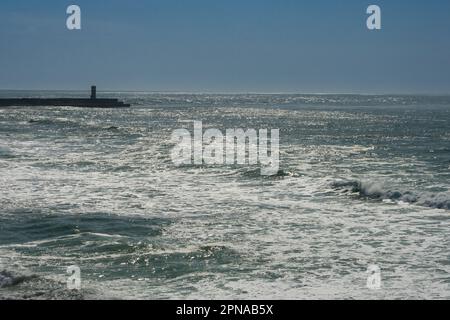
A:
x,y
233,92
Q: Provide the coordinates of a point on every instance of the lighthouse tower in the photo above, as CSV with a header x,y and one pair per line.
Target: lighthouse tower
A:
x,y
93,92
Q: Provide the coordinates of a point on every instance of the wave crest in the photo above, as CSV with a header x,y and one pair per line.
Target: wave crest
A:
x,y
378,191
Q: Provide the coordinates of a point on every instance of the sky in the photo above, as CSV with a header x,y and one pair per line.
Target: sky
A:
x,y
320,46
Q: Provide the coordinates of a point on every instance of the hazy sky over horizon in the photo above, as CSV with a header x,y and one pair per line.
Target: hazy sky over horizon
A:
x,y
227,46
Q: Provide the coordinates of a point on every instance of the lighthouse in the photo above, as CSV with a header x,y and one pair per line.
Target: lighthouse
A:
x,y
93,92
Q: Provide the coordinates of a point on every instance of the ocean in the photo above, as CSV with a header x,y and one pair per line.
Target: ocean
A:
x,y
364,180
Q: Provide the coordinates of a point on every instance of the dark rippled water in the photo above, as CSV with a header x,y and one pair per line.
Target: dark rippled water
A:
x,y
366,181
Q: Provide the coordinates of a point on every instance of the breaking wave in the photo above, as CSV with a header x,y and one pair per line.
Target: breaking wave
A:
x,y
7,279
377,191
256,173
72,124
32,287
55,121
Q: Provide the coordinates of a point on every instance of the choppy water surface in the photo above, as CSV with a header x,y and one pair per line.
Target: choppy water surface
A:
x,y
366,181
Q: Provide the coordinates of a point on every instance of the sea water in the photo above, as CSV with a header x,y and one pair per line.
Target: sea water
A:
x,y
365,182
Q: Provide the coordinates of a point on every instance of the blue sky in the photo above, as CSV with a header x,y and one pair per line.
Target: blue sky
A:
x,y
320,46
